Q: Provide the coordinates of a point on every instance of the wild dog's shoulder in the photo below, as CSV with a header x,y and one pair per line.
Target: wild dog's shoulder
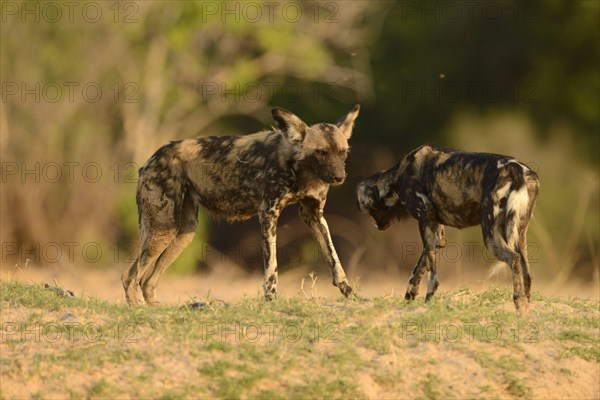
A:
x,y
424,158
176,149
223,148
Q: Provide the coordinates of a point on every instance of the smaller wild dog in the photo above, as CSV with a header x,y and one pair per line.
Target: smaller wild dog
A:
x,y
236,177
441,187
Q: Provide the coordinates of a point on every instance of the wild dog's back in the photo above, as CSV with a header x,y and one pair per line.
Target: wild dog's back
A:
x,y
228,175
455,182
231,174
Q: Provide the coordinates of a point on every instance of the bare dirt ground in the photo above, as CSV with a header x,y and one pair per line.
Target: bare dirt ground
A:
x,y
228,283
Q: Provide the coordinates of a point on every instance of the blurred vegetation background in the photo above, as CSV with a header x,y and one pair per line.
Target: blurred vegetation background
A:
x,y
91,89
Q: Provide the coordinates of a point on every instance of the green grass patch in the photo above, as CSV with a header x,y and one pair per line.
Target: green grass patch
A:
x,y
289,347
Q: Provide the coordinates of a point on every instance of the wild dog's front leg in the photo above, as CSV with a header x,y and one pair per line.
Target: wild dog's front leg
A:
x,y
436,235
432,235
415,278
268,222
311,212
433,238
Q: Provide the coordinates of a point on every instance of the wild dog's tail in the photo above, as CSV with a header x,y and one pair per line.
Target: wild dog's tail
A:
x,y
521,201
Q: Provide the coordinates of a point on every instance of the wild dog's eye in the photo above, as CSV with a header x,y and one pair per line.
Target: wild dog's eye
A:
x,y
322,153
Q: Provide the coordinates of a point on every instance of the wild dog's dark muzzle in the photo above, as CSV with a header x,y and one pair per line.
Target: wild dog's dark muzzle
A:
x,y
337,179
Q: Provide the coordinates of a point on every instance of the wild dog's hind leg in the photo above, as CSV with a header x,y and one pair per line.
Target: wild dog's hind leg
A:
x,y
510,257
188,223
152,244
129,280
501,241
157,229
311,212
522,250
532,193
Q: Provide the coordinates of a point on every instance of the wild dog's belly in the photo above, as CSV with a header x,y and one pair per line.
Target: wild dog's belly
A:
x,y
228,174
230,198
460,216
457,205
230,205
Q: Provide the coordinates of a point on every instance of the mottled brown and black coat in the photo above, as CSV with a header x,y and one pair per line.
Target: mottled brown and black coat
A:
x,y
236,177
441,187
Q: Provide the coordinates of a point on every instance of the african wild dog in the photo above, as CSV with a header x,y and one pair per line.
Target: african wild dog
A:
x,y
236,177
441,187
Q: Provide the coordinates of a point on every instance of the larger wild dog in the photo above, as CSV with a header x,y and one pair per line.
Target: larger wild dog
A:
x,y
236,177
441,187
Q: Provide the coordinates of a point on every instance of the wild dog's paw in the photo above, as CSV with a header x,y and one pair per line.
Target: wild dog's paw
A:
x,y
409,295
345,288
131,296
270,293
521,305
270,296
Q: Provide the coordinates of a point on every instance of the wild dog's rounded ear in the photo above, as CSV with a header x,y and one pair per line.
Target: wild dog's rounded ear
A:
x,y
363,198
387,196
382,188
291,126
346,123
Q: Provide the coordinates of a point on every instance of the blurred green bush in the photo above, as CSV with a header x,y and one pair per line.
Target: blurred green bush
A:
x,y
87,99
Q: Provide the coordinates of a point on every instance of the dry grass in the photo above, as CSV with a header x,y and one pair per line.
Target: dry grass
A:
x,y
462,345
